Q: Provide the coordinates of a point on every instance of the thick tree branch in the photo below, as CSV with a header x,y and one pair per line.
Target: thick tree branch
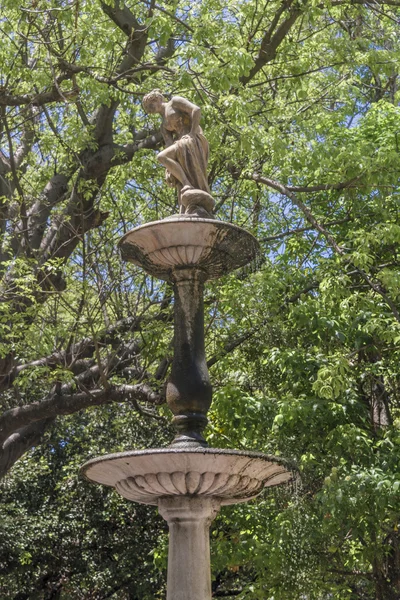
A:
x,y
85,347
80,215
28,138
121,16
66,230
39,213
135,31
19,442
273,38
38,99
68,403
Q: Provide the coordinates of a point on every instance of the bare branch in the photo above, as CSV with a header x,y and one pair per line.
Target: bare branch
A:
x,y
346,3
273,38
239,340
279,236
324,187
376,287
279,187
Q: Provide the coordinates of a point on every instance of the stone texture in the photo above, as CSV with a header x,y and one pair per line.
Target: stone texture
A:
x,y
188,482
192,198
188,251
189,391
165,247
219,485
145,476
189,520
186,151
189,486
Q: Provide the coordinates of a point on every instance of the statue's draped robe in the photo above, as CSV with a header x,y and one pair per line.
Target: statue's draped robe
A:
x,y
192,155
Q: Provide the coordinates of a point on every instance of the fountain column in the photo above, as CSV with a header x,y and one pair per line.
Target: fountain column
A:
x,y
188,481
189,520
189,389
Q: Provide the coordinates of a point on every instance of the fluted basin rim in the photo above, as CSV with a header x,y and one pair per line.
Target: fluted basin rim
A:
x,y
147,475
161,247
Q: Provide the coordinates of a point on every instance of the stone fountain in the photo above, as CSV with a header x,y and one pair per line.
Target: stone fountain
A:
x,y
188,481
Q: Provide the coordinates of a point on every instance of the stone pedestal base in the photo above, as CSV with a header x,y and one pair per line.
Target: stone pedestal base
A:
x,y
189,519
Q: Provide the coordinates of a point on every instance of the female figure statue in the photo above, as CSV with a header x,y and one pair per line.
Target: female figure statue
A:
x,y
186,154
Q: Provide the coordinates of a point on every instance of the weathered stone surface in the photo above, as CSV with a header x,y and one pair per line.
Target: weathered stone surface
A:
x,y
186,151
192,199
189,486
189,520
165,247
188,251
188,481
189,391
145,476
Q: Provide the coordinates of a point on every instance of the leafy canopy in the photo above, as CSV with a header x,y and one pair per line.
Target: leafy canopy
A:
x,y
300,104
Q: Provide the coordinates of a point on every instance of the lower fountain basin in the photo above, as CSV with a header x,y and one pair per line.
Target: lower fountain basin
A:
x,y
145,476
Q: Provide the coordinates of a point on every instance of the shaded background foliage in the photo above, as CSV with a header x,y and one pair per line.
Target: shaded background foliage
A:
x,y
300,104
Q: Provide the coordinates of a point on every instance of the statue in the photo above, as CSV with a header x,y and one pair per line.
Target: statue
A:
x,y
186,153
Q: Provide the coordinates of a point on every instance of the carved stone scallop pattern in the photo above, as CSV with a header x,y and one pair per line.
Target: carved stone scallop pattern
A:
x,y
214,246
148,488
179,255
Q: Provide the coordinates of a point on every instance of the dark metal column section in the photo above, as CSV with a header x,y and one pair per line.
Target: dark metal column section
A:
x,y
189,390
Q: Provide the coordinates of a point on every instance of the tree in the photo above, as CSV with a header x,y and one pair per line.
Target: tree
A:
x,y
64,538
300,105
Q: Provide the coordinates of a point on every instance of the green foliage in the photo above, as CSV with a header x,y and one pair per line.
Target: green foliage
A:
x,y
304,343
58,529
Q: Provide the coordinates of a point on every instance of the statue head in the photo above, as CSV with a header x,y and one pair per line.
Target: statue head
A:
x,y
153,101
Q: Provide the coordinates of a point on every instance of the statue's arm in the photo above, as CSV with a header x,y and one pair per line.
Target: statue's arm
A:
x,y
190,109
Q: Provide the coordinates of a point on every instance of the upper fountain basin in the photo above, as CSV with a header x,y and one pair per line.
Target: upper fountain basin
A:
x,y
164,247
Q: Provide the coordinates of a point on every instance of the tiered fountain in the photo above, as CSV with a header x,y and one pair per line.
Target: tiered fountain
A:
x,y
188,481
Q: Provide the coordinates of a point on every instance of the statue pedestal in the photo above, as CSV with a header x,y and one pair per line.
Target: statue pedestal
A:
x,y
189,486
187,251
